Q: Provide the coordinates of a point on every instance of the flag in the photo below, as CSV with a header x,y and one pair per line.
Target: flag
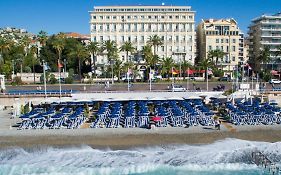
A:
x,y
59,64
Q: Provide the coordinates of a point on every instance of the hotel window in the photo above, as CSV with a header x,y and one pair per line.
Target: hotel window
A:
x,y
149,17
233,48
183,38
94,38
178,49
162,48
234,41
177,17
136,17
222,48
142,17
221,40
135,27
149,27
94,17
122,27
162,17
170,17
122,38
190,17
107,17
226,40
129,27
129,38
142,38
171,48
227,49
94,27
177,38
183,17
217,41
101,38
129,17
107,27
101,27
162,38
210,48
233,58
136,39
142,27
114,27
114,17
101,17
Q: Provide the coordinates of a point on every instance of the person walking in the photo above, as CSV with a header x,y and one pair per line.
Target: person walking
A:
x,y
218,124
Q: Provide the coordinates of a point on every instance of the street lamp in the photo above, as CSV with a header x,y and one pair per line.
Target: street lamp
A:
x,y
44,74
112,75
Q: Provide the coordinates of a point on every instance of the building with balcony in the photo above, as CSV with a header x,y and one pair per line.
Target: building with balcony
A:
x,y
173,24
265,31
224,35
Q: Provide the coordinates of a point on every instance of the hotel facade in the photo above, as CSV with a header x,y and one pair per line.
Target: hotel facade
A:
x,y
224,35
265,31
173,24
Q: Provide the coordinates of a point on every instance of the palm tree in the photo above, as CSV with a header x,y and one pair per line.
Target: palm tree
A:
x,y
216,54
205,64
167,65
111,49
80,52
118,68
155,41
264,56
34,52
42,37
59,45
185,66
5,45
127,47
94,49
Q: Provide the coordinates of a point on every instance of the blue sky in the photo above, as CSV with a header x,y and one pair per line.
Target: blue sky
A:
x,y
56,16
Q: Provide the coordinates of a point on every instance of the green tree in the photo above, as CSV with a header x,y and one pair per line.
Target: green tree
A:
x,y
111,50
80,52
264,56
42,37
155,41
58,45
205,64
128,48
94,49
185,65
118,68
216,54
5,45
33,53
167,65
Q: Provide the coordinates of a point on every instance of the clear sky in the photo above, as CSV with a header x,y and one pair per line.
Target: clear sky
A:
x,y
55,16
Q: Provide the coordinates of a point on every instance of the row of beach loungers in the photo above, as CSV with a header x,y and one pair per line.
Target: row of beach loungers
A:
x,y
254,113
52,119
165,113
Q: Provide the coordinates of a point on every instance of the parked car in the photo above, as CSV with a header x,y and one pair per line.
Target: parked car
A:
x,y
274,81
177,88
224,79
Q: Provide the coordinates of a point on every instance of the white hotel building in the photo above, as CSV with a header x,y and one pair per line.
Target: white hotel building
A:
x,y
174,24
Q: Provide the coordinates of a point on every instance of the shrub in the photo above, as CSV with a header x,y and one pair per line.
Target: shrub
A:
x,y
68,80
17,81
53,80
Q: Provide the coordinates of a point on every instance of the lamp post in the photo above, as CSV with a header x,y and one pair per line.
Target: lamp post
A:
x,y
112,75
44,74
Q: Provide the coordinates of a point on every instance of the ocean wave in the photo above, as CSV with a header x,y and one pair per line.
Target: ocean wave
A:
x,y
230,155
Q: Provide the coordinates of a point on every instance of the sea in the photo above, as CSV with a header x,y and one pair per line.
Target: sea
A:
x,y
225,157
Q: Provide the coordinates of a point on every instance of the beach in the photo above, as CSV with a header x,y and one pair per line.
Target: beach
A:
x,y
123,138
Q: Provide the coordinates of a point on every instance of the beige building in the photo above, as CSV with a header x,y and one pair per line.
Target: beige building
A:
x,y
174,25
222,34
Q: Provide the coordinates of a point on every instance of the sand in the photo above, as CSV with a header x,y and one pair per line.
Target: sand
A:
x,y
123,138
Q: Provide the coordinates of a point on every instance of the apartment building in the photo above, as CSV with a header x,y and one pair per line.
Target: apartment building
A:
x,y
173,24
221,34
265,31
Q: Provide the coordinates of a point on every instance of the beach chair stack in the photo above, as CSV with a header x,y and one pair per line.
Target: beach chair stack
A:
x,y
142,119
129,115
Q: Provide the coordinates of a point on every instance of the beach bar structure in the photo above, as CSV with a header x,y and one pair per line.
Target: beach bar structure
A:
x,y
2,82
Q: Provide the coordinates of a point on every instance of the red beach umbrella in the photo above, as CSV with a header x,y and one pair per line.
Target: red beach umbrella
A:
x,y
156,118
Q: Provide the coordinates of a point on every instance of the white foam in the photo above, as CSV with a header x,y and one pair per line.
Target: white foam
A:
x,y
229,154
